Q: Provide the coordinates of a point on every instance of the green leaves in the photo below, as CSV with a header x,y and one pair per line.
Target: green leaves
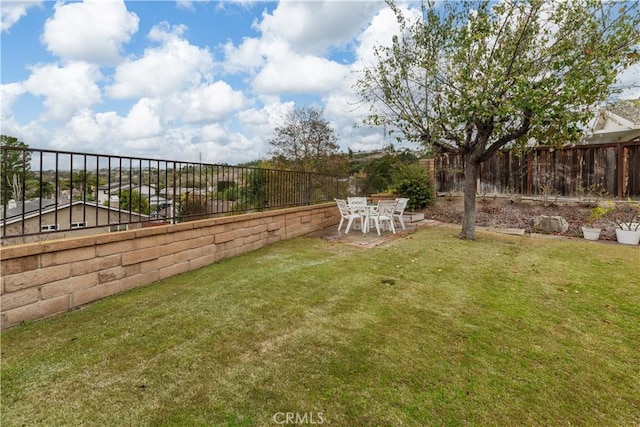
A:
x,y
13,162
479,76
305,141
466,65
414,183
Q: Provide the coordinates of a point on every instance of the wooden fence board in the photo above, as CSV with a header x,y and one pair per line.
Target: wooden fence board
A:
x,y
566,171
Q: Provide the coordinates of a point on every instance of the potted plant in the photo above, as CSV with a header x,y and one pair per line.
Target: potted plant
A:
x,y
591,232
625,216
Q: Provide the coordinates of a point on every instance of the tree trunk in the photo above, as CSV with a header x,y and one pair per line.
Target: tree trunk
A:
x,y
469,219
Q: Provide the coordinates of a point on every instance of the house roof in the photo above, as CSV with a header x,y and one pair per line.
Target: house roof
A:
x,y
28,207
124,185
619,122
33,210
628,109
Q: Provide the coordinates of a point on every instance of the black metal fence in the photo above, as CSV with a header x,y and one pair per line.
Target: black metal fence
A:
x,y
58,192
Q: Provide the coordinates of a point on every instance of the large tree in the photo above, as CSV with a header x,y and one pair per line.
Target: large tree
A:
x,y
477,77
134,201
15,166
306,142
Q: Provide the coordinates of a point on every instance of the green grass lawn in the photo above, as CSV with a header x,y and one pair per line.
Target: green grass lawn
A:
x,y
423,330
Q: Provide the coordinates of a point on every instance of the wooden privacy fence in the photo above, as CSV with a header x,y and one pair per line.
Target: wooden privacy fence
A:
x,y
568,171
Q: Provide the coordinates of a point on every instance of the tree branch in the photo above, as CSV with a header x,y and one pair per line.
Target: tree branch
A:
x,y
521,131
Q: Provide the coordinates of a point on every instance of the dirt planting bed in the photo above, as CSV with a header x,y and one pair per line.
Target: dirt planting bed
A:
x,y
500,212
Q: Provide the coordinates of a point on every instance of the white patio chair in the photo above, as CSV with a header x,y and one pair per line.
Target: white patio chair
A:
x,y
357,204
350,216
401,204
382,214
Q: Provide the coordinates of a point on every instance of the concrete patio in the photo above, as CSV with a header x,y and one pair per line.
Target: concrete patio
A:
x,y
356,237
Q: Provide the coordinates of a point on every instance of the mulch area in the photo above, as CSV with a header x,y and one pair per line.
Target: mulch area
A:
x,y
500,212
492,212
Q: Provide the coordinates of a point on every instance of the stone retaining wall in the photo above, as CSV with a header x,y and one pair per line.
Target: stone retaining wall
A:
x,y
45,278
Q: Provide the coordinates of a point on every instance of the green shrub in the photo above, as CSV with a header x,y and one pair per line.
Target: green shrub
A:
x,y
230,194
133,201
381,173
414,183
192,207
224,185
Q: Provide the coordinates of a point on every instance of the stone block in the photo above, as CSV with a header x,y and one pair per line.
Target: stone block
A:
x,y
67,256
140,255
550,224
68,286
19,265
95,264
230,235
85,296
187,234
138,280
119,247
202,261
18,298
118,272
34,278
174,270
35,311
410,217
174,248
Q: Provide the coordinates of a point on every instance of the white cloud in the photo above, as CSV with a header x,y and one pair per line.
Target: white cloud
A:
x,y
314,26
149,130
278,68
342,106
138,134
345,114
216,144
629,79
379,33
143,120
185,4
8,94
287,57
66,89
252,54
93,31
300,74
86,129
175,65
12,11
263,121
141,123
178,109
213,102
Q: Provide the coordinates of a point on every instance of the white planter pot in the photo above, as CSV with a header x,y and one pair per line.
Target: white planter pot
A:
x,y
591,233
634,226
628,237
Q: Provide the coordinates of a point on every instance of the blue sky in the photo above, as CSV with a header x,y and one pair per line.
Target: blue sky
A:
x,y
186,80
183,80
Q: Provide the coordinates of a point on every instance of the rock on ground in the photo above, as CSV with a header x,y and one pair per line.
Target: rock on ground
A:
x,y
550,224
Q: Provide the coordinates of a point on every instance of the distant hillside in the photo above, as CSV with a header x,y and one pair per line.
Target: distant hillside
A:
x,y
365,156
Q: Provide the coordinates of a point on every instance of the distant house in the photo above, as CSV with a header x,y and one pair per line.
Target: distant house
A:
x,y
110,193
169,192
77,218
106,192
620,122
